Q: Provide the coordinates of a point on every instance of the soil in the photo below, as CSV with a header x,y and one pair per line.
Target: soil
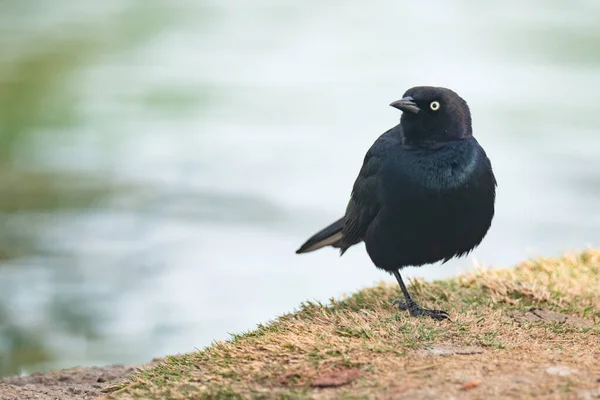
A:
x,y
69,384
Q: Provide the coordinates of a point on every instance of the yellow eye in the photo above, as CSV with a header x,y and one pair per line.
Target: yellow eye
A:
x,y
435,105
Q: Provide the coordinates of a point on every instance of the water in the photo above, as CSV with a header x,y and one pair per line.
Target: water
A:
x,y
162,160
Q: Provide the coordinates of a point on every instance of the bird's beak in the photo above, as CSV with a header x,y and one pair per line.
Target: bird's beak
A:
x,y
406,104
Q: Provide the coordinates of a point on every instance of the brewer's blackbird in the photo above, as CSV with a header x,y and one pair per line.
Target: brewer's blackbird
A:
x,y
425,192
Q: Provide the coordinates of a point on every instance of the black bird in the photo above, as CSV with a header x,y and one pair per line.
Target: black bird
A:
x,y
425,192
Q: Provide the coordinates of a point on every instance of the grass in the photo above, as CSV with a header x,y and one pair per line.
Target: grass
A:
x,y
508,328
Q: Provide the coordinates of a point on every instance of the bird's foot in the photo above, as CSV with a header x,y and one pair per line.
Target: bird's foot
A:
x,y
417,311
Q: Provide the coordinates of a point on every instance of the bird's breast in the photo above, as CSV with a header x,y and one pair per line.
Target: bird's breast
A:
x,y
446,168
434,205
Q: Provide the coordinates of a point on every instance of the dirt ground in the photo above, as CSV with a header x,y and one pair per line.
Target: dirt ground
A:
x,y
69,384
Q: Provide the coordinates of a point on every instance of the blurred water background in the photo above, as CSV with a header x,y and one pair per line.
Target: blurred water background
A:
x,y
161,160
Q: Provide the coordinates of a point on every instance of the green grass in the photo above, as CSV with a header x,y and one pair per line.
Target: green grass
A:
x,y
363,347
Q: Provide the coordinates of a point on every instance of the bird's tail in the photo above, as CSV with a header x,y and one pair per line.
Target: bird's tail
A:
x,y
329,236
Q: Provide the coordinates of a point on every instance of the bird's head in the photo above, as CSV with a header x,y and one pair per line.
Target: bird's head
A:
x,y
433,115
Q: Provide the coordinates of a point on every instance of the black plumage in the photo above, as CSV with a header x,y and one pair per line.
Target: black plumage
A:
x,y
425,192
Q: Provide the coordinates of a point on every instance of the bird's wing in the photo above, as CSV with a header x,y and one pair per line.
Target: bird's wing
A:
x,y
365,202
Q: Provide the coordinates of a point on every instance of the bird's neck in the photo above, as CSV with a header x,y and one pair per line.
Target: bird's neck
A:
x,y
431,144
415,133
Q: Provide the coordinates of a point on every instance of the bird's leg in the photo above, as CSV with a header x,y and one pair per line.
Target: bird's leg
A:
x,y
412,307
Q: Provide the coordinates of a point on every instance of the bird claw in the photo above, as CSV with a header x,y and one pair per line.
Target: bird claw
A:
x,y
417,311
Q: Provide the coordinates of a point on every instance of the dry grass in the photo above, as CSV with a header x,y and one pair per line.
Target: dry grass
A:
x,y
530,331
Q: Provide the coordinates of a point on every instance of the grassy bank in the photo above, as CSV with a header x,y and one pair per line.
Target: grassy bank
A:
x,y
530,331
